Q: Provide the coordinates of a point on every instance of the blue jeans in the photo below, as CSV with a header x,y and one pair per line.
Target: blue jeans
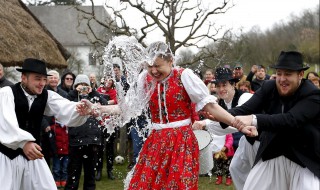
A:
x,y
59,167
137,143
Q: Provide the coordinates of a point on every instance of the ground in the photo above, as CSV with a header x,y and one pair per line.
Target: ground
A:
x,y
120,172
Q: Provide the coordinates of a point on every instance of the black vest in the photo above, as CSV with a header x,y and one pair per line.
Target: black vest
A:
x,y
29,121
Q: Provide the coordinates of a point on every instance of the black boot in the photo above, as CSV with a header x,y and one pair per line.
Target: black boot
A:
x,y
98,176
110,175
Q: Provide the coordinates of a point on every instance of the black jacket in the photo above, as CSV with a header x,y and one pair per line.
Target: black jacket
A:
x,y
290,125
255,83
89,132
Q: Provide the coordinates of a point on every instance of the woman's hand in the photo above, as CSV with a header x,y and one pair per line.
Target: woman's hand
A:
x,y
207,115
198,125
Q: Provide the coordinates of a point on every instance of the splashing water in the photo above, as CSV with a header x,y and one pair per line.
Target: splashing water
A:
x,y
132,58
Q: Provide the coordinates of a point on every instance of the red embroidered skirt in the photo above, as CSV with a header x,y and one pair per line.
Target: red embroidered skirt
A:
x,y
169,159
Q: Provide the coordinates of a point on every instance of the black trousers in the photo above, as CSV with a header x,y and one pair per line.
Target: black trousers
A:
x,y
78,156
107,146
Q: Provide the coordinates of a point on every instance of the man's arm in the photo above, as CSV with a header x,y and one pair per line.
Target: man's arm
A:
x,y
64,110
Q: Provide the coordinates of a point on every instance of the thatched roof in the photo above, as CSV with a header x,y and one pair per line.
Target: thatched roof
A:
x,y
23,36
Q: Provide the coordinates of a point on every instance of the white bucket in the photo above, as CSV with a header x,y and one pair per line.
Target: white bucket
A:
x,y
205,157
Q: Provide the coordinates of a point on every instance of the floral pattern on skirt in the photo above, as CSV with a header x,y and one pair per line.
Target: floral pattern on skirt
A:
x,y
169,159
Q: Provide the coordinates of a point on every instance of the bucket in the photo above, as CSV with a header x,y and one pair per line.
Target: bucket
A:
x,y
205,155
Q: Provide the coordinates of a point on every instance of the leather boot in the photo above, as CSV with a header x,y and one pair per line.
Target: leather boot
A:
x,y
219,180
228,181
98,176
110,175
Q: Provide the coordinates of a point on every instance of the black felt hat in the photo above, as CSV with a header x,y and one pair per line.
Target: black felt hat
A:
x,y
224,74
290,60
34,66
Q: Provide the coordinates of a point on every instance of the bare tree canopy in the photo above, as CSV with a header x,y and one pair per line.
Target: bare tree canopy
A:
x,y
181,22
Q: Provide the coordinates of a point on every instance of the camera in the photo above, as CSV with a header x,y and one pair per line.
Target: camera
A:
x,y
83,96
84,88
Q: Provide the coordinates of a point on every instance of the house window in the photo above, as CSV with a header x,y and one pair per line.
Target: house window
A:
x,y
92,59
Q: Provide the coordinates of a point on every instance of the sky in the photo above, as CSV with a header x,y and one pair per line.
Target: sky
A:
x,y
264,13
245,14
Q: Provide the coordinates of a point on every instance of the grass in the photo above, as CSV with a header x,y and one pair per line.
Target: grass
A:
x,y
120,172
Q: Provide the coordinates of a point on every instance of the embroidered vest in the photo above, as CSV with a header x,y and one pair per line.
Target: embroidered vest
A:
x,y
170,101
28,120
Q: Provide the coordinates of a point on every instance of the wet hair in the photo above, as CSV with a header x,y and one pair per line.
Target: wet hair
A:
x,y
161,50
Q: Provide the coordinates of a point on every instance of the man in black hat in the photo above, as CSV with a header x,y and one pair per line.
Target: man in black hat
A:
x,y
22,107
289,153
228,98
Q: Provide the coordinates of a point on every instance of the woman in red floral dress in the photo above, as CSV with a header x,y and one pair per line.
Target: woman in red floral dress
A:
x,y
169,156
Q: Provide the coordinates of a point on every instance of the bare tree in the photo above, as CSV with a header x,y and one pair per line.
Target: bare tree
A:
x,y
182,23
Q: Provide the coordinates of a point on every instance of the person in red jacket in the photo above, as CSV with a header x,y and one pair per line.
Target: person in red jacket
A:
x,y
60,157
61,151
109,89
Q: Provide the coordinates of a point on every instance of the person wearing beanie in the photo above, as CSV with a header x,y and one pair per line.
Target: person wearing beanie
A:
x,y
84,141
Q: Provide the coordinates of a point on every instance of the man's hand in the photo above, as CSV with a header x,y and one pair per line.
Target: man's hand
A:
x,y
32,151
241,121
198,125
250,131
84,107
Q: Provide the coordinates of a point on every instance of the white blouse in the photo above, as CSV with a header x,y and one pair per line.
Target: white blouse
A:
x,y
196,89
10,133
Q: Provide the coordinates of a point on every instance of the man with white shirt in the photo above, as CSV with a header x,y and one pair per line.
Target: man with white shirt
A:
x,y
22,107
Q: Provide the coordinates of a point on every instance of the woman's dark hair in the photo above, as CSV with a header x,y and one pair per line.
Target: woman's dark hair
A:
x,y
312,72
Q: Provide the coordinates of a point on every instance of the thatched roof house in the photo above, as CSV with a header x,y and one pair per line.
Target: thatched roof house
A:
x,y
23,36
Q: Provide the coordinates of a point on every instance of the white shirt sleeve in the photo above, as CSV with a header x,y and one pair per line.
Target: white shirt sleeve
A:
x,y
10,133
64,110
214,128
197,90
